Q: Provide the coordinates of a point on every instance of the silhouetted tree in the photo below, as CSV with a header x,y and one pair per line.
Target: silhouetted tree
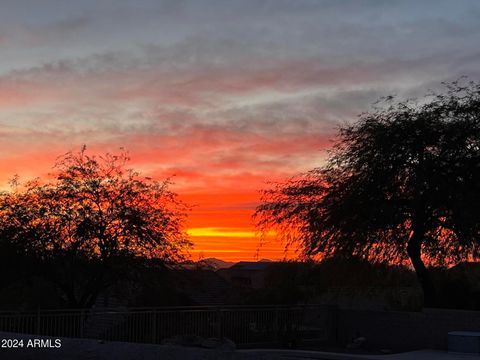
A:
x,y
402,182
94,219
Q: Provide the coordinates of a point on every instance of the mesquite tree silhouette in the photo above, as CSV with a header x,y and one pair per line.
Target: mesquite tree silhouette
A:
x,y
95,218
402,183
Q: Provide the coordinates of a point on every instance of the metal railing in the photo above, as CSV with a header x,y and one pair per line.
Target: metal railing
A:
x,y
244,325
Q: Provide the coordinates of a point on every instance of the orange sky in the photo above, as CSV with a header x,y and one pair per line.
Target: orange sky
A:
x,y
222,201
220,225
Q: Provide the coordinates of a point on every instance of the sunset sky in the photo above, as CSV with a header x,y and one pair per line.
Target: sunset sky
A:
x,y
222,95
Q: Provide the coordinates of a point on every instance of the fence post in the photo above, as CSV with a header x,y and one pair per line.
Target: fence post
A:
x,y
154,327
82,323
37,330
219,323
334,326
276,330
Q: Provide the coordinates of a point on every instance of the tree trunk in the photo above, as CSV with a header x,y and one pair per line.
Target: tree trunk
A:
x,y
92,288
68,292
414,252
414,247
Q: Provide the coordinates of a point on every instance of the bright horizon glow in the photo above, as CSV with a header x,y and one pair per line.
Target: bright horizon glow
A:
x,y
218,232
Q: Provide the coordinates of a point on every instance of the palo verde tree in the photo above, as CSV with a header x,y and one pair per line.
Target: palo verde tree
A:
x,y
402,183
88,224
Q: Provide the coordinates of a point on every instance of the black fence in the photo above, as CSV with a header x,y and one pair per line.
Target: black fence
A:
x,y
244,325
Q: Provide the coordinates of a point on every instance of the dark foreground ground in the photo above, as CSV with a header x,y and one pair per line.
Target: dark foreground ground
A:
x,y
82,349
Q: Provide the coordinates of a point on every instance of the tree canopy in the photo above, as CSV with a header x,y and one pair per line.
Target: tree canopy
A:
x,y
92,215
402,182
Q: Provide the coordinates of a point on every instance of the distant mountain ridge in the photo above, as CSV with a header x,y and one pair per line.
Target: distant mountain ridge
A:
x,y
217,264
213,264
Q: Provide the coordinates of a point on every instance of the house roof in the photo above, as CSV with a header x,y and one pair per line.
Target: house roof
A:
x,y
203,287
251,265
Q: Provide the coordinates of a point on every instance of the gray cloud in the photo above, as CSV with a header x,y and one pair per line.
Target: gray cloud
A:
x,y
268,72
